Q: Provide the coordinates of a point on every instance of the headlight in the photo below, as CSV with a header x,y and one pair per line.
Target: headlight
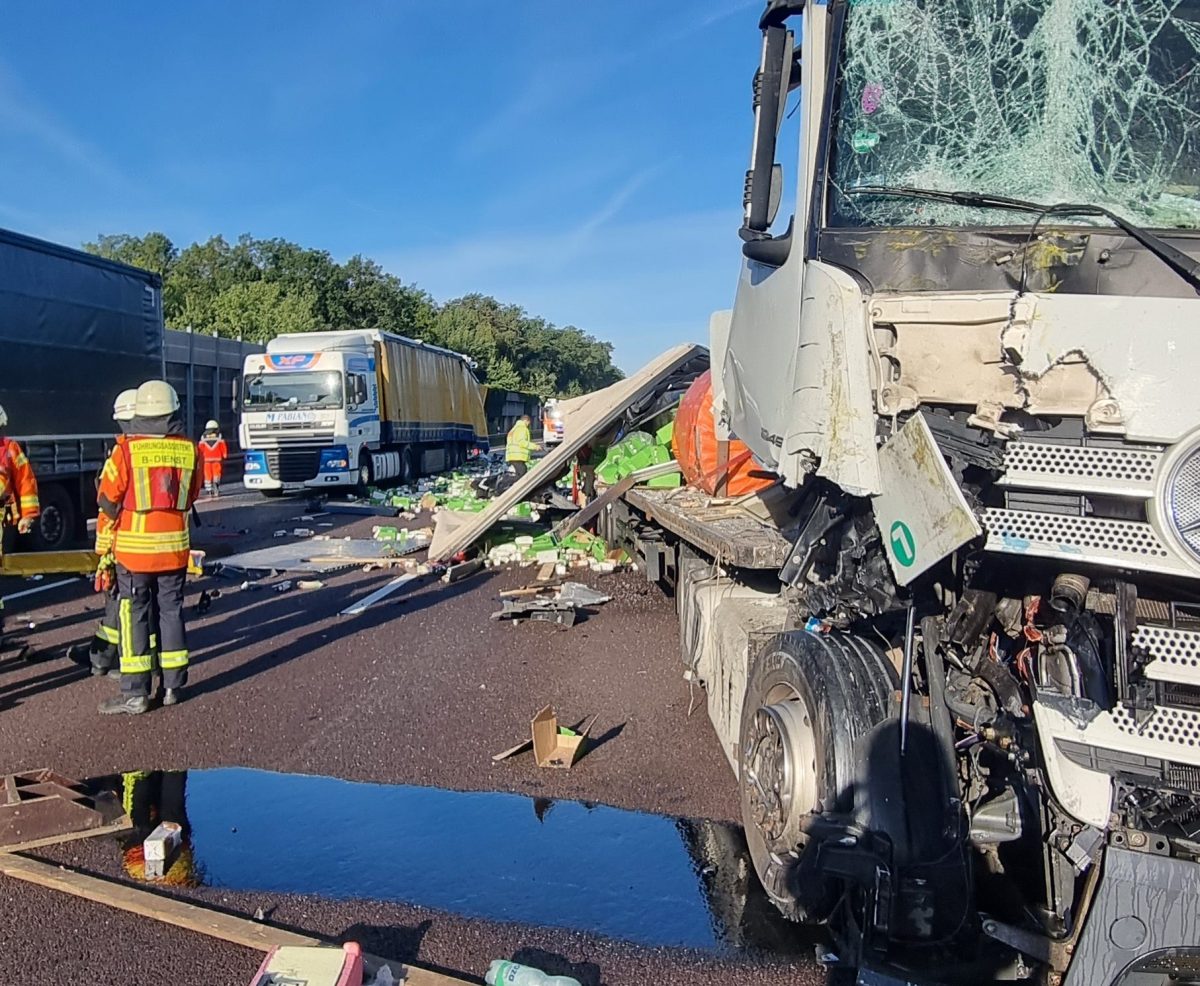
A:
x,y
335,459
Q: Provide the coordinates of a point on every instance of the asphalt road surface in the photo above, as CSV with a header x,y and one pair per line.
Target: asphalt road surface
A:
x,y
419,690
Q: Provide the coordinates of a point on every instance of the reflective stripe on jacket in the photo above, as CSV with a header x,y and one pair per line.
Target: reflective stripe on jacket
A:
x,y
213,449
105,528
519,446
148,486
18,485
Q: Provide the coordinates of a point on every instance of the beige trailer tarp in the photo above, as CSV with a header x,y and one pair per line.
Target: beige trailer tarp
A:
x,y
428,394
590,416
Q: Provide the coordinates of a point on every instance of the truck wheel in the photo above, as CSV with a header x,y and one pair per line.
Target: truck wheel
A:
x,y
366,472
408,468
55,527
808,699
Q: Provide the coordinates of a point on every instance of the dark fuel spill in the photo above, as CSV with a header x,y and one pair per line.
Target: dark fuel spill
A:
x,y
628,875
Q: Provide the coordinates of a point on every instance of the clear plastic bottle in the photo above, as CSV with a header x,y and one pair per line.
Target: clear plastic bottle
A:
x,y
501,973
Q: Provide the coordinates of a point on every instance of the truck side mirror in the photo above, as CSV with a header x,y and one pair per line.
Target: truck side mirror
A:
x,y
771,83
778,74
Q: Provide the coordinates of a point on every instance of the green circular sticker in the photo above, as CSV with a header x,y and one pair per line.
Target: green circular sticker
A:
x,y
904,547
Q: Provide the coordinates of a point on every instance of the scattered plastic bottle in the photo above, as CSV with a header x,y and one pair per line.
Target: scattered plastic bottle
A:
x,y
501,973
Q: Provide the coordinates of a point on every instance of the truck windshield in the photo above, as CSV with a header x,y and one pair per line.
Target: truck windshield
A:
x,y
1093,101
264,391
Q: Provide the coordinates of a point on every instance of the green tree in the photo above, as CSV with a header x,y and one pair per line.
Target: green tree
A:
x,y
259,288
260,310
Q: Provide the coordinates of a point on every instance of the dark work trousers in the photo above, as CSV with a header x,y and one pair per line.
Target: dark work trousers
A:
x,y
142,596
106,644
520,467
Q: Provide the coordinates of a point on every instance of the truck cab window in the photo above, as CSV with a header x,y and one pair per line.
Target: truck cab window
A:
x,y
1026,100
292,391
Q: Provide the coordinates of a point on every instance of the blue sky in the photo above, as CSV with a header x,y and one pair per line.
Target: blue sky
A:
x,y
583,160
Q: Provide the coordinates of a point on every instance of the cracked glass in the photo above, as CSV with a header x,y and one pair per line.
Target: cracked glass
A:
x,y
1080,101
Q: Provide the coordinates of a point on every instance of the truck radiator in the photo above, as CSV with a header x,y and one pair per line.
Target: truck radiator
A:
x,y
293,465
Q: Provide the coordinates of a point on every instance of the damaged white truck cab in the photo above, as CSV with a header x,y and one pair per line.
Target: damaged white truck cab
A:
x,y
959,677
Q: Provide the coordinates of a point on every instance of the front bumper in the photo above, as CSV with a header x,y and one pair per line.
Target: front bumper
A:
x,y
1144,904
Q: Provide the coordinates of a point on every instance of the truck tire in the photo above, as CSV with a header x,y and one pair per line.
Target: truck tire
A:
x,y
408,467
366,473
54,528
809,698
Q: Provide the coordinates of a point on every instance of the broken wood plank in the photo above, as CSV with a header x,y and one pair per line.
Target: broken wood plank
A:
x,y
123,824
462,570
577,520
529,590
546,572
231,928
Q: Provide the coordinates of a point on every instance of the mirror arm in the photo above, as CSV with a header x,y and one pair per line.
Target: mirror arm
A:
x,y
778,11
771,251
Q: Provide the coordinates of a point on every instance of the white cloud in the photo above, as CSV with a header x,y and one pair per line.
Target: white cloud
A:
x,y
642,284
21,114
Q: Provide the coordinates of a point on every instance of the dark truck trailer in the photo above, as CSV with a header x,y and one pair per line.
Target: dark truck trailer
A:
x,y
75,330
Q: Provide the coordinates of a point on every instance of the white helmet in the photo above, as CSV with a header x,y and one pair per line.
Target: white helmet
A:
x,y
156,399
3,417
211,425
125,406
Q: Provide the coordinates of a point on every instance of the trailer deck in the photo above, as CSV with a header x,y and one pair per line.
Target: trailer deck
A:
x,y
735,531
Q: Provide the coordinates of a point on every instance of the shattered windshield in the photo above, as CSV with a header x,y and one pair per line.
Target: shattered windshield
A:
x,y
1081,101
264,391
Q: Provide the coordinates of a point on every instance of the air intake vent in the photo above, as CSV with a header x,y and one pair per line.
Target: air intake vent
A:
x,y
1089,469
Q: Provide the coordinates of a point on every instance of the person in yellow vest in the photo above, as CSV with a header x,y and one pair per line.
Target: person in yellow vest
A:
x,y
520,446
147,488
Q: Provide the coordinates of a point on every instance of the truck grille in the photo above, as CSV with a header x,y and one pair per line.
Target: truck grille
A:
x,y
1084,505
1165,725
1174,653
293,465
1087,468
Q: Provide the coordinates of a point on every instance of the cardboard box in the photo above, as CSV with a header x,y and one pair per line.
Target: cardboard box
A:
x,y
552,748
160,847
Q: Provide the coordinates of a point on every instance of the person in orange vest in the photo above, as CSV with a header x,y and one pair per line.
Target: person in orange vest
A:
x,y
102,653
18,490
213,451
147,488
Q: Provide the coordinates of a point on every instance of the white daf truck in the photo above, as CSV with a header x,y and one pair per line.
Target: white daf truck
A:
x,y
330,410
953,656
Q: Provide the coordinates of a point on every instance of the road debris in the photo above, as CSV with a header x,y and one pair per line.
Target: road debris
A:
x,y
382,593
322,555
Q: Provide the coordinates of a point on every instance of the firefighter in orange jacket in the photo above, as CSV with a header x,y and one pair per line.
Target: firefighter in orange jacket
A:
x,y
103,653
18,489
148,487
213,451
18,485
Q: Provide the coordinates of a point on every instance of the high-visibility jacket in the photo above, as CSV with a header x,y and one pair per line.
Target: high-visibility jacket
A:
x,y
105,525
18,485
519,445
148,486
213,449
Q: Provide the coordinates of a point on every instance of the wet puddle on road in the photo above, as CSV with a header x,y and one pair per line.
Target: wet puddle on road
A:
x,y
643,878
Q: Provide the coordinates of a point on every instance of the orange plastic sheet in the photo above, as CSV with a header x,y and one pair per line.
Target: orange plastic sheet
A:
x,y
695,446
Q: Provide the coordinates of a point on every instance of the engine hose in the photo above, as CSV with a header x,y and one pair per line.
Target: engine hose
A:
x,y
939,711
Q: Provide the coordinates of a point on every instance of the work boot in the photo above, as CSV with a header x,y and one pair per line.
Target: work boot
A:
x,y
172,696
133,705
